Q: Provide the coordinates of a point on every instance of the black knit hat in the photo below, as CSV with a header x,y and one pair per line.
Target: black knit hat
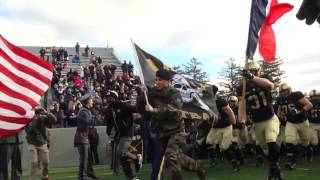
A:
x,y
164,74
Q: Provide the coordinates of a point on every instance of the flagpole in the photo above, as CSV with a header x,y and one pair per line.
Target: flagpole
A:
x,y
139,70
161,168
243,110
242,106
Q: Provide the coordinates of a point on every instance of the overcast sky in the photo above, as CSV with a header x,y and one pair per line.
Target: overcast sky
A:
x,y
172,30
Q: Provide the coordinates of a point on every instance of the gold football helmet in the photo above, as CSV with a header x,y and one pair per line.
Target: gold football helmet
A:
x,y
254,67
284,87
233,99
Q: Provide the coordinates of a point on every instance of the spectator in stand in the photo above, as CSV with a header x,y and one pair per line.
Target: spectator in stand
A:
x,y
92,70
81,72
75,59
97,89
93,59
107,72
55,78
86,51
119,79
70,75
106,68
72,111
61,54
96,111
59,68
79,91
113,69
59,114
124,67
59,91
126,79
100,75
68,95
54,54
66,55
62,103
116,86
104,90
77,80
77,49
130,69
99,60
86,73
42,52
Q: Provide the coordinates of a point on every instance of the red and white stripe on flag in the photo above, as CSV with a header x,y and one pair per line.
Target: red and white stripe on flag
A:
x,y
24,78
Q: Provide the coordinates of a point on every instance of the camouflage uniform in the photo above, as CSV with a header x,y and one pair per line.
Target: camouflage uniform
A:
x,y
167,126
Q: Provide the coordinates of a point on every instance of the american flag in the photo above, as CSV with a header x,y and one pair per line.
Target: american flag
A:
x,y
24,78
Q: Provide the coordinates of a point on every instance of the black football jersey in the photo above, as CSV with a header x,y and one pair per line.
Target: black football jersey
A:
x,y
238,124
235,110
223,120
314,113
283,120
259,101
291,107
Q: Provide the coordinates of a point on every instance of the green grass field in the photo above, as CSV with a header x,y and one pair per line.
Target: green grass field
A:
x,y
223,171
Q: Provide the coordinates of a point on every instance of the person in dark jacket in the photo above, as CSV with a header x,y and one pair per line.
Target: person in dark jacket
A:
x,y
42,52
10,150
38,141
93,132
121,118
167,126
124,67
81,140
60,115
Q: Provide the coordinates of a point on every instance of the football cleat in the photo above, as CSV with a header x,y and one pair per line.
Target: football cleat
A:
x,y
259,161
235,165
275,173
201,171
290,165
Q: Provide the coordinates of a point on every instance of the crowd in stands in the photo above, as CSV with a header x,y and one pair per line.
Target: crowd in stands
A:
x,y
95,78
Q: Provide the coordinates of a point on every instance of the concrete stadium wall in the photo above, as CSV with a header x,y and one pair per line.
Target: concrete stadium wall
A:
x,y
62,150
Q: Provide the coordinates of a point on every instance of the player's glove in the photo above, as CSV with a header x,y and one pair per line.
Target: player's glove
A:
x,y
309,10
248,75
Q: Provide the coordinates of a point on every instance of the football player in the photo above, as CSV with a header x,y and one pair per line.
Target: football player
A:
x,y
314,118
258,102
281,138
240,132
221,134
294,105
